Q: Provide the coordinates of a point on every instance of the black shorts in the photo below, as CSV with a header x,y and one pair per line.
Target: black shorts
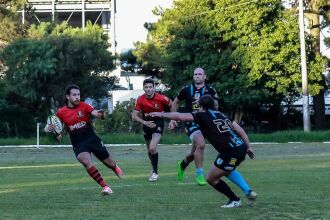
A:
x,y
149,131
230,159
191,127
96,147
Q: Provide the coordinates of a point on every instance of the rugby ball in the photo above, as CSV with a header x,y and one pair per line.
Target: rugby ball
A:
x,y
56,122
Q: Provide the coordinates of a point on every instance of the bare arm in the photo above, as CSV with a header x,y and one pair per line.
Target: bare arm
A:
x,y
245,138
174,108
174,115
137,118
98,113
175,105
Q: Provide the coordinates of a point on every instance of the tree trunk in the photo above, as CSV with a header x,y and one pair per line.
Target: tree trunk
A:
x,y
238,114
318,100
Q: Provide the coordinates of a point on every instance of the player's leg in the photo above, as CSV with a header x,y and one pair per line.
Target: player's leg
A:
x,y
190,129
214,179
101,152
199,145
152,149
236,157
85,159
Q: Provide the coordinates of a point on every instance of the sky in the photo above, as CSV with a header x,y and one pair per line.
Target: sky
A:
x,y
130,17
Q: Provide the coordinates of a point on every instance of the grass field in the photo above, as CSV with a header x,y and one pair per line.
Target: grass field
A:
x,y
292,181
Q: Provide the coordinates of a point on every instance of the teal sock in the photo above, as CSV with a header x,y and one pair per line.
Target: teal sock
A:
x,y
237,178
199,172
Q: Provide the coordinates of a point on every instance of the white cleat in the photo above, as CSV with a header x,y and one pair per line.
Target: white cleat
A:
x,y
106,191
153,177
232,204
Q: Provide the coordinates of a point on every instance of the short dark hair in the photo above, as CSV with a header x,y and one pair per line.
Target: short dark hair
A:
x,y
149,80
207,102
69,87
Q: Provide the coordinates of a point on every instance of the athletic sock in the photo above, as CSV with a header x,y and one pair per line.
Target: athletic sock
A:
x,y
154,162
199,171
222,187
184,164
94,173
238,179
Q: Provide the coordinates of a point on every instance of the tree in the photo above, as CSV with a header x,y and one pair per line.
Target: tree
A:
x,y
39,67
10,26
313,10
245,50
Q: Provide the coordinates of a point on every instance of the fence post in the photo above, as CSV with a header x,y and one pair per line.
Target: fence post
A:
x,y
38,125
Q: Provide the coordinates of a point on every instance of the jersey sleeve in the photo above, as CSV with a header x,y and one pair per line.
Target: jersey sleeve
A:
x,y
138,104
88,108
166,101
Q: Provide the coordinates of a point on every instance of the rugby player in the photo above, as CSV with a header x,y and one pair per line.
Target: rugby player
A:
x,y
151,101
76,117
191,95
227,137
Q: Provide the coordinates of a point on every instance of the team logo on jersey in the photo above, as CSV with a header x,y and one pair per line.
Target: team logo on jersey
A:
x,y
232,161
80,113
219,161
77,125
156,106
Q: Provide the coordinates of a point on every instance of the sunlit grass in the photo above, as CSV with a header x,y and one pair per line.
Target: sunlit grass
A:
x,y
291,180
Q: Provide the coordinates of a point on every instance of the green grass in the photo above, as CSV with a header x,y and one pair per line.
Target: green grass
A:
x,y
292,181
178,138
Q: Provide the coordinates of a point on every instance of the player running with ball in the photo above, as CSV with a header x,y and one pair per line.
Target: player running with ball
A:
x,y
76,117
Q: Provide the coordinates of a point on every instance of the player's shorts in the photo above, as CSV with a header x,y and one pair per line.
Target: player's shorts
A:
x,y
230,159
191,128
149,131
96,147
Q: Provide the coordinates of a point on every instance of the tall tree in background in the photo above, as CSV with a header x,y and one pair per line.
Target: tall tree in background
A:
x,y
246,48
313,10
10,26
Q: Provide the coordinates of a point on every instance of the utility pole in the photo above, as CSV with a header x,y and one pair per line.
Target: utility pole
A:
x,y
304,79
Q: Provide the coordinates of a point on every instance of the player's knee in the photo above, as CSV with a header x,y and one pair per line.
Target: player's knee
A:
x,y
200,147
152,150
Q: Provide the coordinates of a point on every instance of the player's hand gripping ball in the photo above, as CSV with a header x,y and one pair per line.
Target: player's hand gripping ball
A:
x,y
56,123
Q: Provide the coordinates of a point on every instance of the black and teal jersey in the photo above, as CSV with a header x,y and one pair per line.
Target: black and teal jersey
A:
x,y
190,94
217,128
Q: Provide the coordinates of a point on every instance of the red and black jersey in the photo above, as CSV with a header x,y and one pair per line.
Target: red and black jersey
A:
x,y
77,122
156,104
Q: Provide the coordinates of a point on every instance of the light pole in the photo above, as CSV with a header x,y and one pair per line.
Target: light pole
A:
x,y
304,79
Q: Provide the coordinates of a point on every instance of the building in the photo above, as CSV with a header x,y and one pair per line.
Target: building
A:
x,y
76,13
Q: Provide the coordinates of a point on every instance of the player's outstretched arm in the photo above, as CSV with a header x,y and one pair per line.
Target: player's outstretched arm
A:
x,y
99,113
173,115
